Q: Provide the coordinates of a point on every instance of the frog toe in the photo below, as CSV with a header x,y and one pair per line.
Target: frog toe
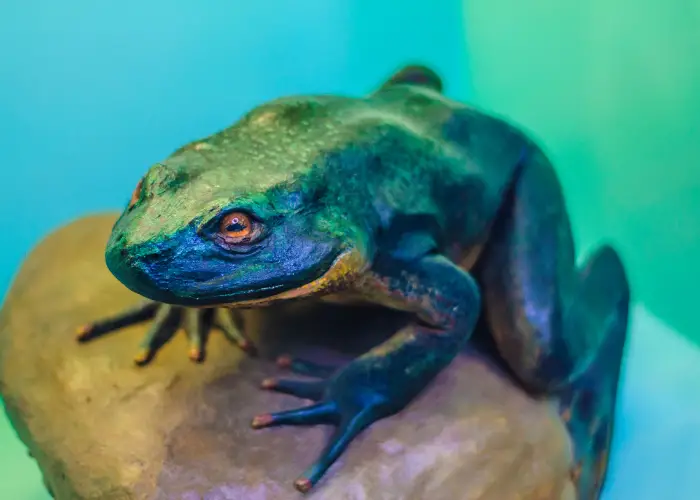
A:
x,y
346,431
305,367
304,389
315,414
162,329
137,314
225,321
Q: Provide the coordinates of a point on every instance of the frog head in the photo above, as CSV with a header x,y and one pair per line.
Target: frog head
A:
x,y
217,224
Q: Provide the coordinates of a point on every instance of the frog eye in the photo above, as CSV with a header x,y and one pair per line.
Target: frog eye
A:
x,y
136,194
238,227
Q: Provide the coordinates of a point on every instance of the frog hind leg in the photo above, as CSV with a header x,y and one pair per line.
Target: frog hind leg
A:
x,y
587,406
560,328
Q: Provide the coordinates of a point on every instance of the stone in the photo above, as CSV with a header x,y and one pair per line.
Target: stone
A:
x,y
101,427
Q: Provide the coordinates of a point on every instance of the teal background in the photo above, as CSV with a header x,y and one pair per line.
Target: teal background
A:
x,y
92,92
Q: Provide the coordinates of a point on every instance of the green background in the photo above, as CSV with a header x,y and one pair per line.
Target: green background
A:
x,y
612,88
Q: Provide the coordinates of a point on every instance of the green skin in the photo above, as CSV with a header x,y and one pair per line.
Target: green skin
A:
x,y
402,198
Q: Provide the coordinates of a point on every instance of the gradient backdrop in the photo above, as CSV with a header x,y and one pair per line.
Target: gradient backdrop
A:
x,y
92,93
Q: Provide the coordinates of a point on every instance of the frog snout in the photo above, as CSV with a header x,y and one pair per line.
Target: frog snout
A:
x,y
138,267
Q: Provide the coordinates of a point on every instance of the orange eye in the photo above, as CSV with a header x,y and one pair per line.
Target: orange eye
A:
x,y
237,226
136,194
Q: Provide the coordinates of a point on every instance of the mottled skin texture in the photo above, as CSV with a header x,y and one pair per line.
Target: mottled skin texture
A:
x,y
402,198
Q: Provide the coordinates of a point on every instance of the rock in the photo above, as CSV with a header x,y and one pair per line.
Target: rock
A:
x,y
102,428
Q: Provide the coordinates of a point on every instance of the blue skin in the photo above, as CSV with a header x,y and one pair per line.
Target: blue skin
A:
x,y
196,268
438,210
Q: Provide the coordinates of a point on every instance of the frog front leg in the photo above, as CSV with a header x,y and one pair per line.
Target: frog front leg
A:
x,y
446,303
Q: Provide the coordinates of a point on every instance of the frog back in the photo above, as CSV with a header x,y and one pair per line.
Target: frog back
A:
x,y
443,161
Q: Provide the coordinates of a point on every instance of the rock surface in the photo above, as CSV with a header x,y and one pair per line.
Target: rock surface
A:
x,y
102,428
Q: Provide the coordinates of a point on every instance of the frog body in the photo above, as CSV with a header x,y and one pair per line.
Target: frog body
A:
x,y
402,198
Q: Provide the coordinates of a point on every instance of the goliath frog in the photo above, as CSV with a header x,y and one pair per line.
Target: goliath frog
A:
x,y
402,198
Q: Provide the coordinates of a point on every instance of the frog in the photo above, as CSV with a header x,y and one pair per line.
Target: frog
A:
x,y
402,198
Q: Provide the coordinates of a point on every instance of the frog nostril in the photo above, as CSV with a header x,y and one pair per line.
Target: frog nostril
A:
x,y
157,254
154,260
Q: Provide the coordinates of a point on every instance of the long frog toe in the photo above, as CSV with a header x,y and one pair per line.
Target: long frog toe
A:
x,y
166,320
143,311
305,367
304,389
232,327
162,329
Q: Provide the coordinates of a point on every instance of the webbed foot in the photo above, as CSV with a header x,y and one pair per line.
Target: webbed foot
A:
x,y
167,319
340,397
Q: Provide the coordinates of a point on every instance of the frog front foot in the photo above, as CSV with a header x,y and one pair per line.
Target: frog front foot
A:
x,y
166,320
345,397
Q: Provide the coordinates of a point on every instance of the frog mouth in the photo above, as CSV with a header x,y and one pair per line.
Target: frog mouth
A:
x,y
331,274
340,274
218,292
189,271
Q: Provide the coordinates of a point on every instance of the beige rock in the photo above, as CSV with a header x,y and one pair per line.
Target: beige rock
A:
x,y
102,428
